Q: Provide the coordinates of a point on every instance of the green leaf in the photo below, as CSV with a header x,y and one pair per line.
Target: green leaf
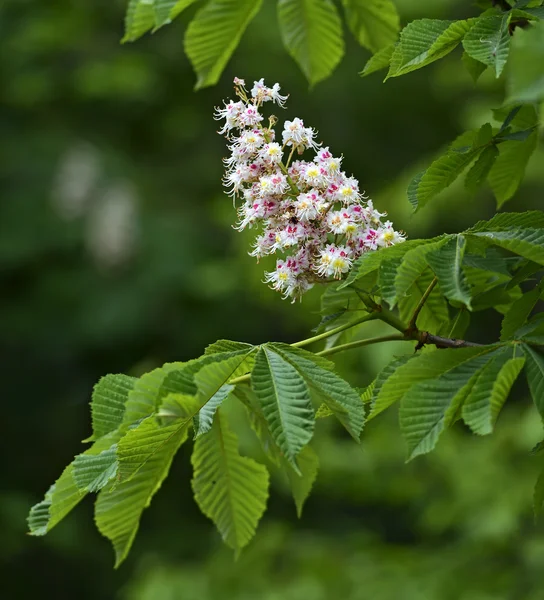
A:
x,y
139,18
118,511
213,35
538,495
108,402
424,41
431,405
93,472
422,367
441,174
501,221
301,485
480,170
528,243
285,401
489,41
167,10
374,23
473,66
447,264
312,33
489,389
525,82
414,264
379,403
386,279
507,173
227,346
378,61
230,489
534,369
327,387
519,313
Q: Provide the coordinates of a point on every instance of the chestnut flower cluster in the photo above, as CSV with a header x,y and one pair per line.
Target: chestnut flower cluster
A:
x,y
309,211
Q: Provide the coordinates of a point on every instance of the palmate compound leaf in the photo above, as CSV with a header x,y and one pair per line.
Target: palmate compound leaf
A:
x,y
534,369
327,387
118,510
108,403
285,401
526,242
446,261
488,41
229,488
508,220
520,310
143,441
213,35
424,41
374,23
489,388
431,405
312,33
422,367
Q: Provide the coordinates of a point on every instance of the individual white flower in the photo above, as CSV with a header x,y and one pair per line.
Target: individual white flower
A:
x,y
231,113
338,221
250,141
276,96
387,236
271,153
313,175
294,132
307,205
250,116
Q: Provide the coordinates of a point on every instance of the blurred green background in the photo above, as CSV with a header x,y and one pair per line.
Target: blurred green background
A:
x,y
117,254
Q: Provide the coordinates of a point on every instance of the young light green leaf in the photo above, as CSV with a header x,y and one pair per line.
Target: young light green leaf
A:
x,y
424,41
227,346
118,511
473,66
519,313
508,170
378,61
374,23
167,10
213,35
480,170
139,18
285,401
379,403
301,485
230,489
431,405
489,389
312,33
447,264
525,82
528,243
327,387
93,472
489,41
534,369
108,402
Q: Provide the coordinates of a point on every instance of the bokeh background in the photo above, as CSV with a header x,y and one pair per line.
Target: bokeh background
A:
x,y
117,254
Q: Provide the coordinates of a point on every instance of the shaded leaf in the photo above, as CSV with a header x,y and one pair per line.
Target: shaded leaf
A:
x,y
488,41
374,23
301,485
378,61
518,313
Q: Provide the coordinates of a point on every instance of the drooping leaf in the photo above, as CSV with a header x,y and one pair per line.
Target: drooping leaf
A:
x,y
518,313
386,278
526,65
227,346
230,489
528,243
312,33
473,66
93,472
507,172
108,402
139,18
378,61
424,41
327,387
285,401
213,35
301,485
379,403
118,511
489,389
534,369
480,170
374,23
489,41
447,264
414,264
431,405
507,220
167,10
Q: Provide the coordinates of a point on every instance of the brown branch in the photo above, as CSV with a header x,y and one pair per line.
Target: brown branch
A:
x,y
424,337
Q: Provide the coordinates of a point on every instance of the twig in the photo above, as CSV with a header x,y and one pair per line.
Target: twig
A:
x,y
424,337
